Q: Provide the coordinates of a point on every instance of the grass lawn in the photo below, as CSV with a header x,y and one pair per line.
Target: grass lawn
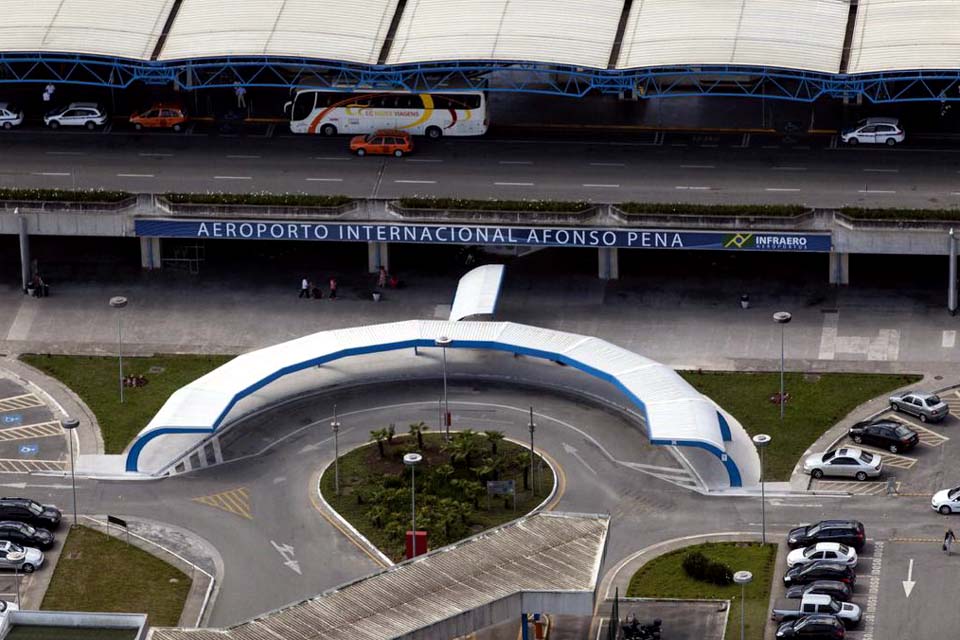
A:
x,y
664,577
96,380
375,491
97,572
815,403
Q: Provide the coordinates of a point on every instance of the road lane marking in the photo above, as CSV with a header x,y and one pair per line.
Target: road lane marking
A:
x,y
607,186
424,160
155,155
608,164
232,178
135,175
949,339
881,170
243,157
780,189
50,173
788,168
513,184
66,153
692,188
875,192
697,166
516,162
235,501
678,144
336,158
415,181
287,552
324,179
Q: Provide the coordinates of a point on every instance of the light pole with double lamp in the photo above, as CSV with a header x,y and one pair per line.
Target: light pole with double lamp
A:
x,y
70,425
760,441
335,425
444,342
119,302
412,460
742,578
782,318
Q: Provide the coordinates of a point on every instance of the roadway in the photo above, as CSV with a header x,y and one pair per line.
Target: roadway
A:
x,y
642,166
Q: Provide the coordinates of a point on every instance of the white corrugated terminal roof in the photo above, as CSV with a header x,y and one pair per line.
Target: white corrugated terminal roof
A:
x,y
321,29
115,29
570,32
805,34
553,553
477,292
894,35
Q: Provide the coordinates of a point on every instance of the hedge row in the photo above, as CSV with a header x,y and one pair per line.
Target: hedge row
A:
x,y
552,206
269,199
901,214
63,195
719,210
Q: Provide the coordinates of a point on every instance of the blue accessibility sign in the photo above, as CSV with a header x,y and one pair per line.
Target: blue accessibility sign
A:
x,y
12,418
29,449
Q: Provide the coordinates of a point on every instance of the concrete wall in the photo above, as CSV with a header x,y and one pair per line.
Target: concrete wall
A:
x,y
82,620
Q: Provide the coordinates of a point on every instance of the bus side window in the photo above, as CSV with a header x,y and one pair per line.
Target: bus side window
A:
x,y
441,102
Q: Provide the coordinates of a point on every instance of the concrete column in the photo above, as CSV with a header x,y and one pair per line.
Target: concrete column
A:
x,y
378,254
150,253
609,264
25,274
839,268
952,284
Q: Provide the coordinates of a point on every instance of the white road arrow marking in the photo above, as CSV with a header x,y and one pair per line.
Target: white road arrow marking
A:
x,y
908,584
287,552
573,452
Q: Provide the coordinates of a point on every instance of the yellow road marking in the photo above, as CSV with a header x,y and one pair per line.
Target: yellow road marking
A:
x,y
561,481
235,501
916,540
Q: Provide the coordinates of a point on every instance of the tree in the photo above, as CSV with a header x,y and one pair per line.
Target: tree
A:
x,y
379,436
470,490
440,477
489,469
494,437
417,430
462,448
523,461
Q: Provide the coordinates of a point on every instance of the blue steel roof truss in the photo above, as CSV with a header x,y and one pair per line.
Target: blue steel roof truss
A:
x,y
524,77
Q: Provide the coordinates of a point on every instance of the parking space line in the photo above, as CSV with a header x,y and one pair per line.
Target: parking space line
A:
x,y
25,401
29,431
852,487
923,540
891,459
602,186
513,184
928,437
16,465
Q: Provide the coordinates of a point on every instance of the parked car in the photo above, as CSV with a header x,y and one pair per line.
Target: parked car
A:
x,y
160,116
891,435
10,116
848,613
848,532
830,551
819,627
946,501
25,559
30,511
848,462
820,570
384,143
874,131
833,588
926,406
76,114
23,534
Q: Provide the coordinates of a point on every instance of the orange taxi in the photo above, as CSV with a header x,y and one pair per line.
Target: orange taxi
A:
x,y
384,143
160,116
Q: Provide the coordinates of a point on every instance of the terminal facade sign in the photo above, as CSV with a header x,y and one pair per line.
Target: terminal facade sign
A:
x,y
486,235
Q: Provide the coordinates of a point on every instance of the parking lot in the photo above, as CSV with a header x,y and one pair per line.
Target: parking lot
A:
x,y
917,472
31,438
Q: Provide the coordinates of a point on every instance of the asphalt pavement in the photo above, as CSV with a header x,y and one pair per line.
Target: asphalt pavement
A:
x,y
725,168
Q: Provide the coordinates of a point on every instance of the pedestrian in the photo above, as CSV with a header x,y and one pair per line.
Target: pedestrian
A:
x,y
333,288
241,93
315,291
382,278
948,539
304,289
48,92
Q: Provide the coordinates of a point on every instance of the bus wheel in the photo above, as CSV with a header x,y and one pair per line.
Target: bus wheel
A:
x,y
434,132
328,130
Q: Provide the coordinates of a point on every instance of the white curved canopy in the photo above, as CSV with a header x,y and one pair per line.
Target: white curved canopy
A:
x,y
477,292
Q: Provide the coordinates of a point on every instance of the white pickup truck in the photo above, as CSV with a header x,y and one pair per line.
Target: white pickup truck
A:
x,y
848,613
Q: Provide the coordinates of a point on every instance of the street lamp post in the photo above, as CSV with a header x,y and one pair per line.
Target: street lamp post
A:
x,y
533,477
119,302
444,341
70,425
335,425
742,578
782,318
412,460
760,441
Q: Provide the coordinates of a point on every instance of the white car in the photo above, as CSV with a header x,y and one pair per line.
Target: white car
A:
x,y
25,559
77,114
829,551
946,501
10,116
874,131
848,462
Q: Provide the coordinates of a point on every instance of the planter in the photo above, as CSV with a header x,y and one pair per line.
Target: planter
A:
x,y
252,210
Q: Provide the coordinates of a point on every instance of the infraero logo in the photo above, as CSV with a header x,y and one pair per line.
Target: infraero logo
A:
x,y
738,241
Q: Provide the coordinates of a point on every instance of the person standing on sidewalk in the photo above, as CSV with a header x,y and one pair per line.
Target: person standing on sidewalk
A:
x,y
382,278
948,539
333,288
304,289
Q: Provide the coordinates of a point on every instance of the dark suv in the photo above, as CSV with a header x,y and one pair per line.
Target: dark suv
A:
x,y
25,535
29,511
816,627
848,532
820,570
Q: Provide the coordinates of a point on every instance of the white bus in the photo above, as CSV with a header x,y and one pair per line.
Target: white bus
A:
x,y
436,114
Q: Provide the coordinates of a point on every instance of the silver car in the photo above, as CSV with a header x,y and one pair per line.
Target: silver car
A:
x,y
926,406
848,462
10,116
13,556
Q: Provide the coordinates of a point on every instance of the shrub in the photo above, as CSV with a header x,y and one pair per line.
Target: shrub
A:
x,y
719,574
494,205
720,210
63,195
263,199
700,567
901,214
